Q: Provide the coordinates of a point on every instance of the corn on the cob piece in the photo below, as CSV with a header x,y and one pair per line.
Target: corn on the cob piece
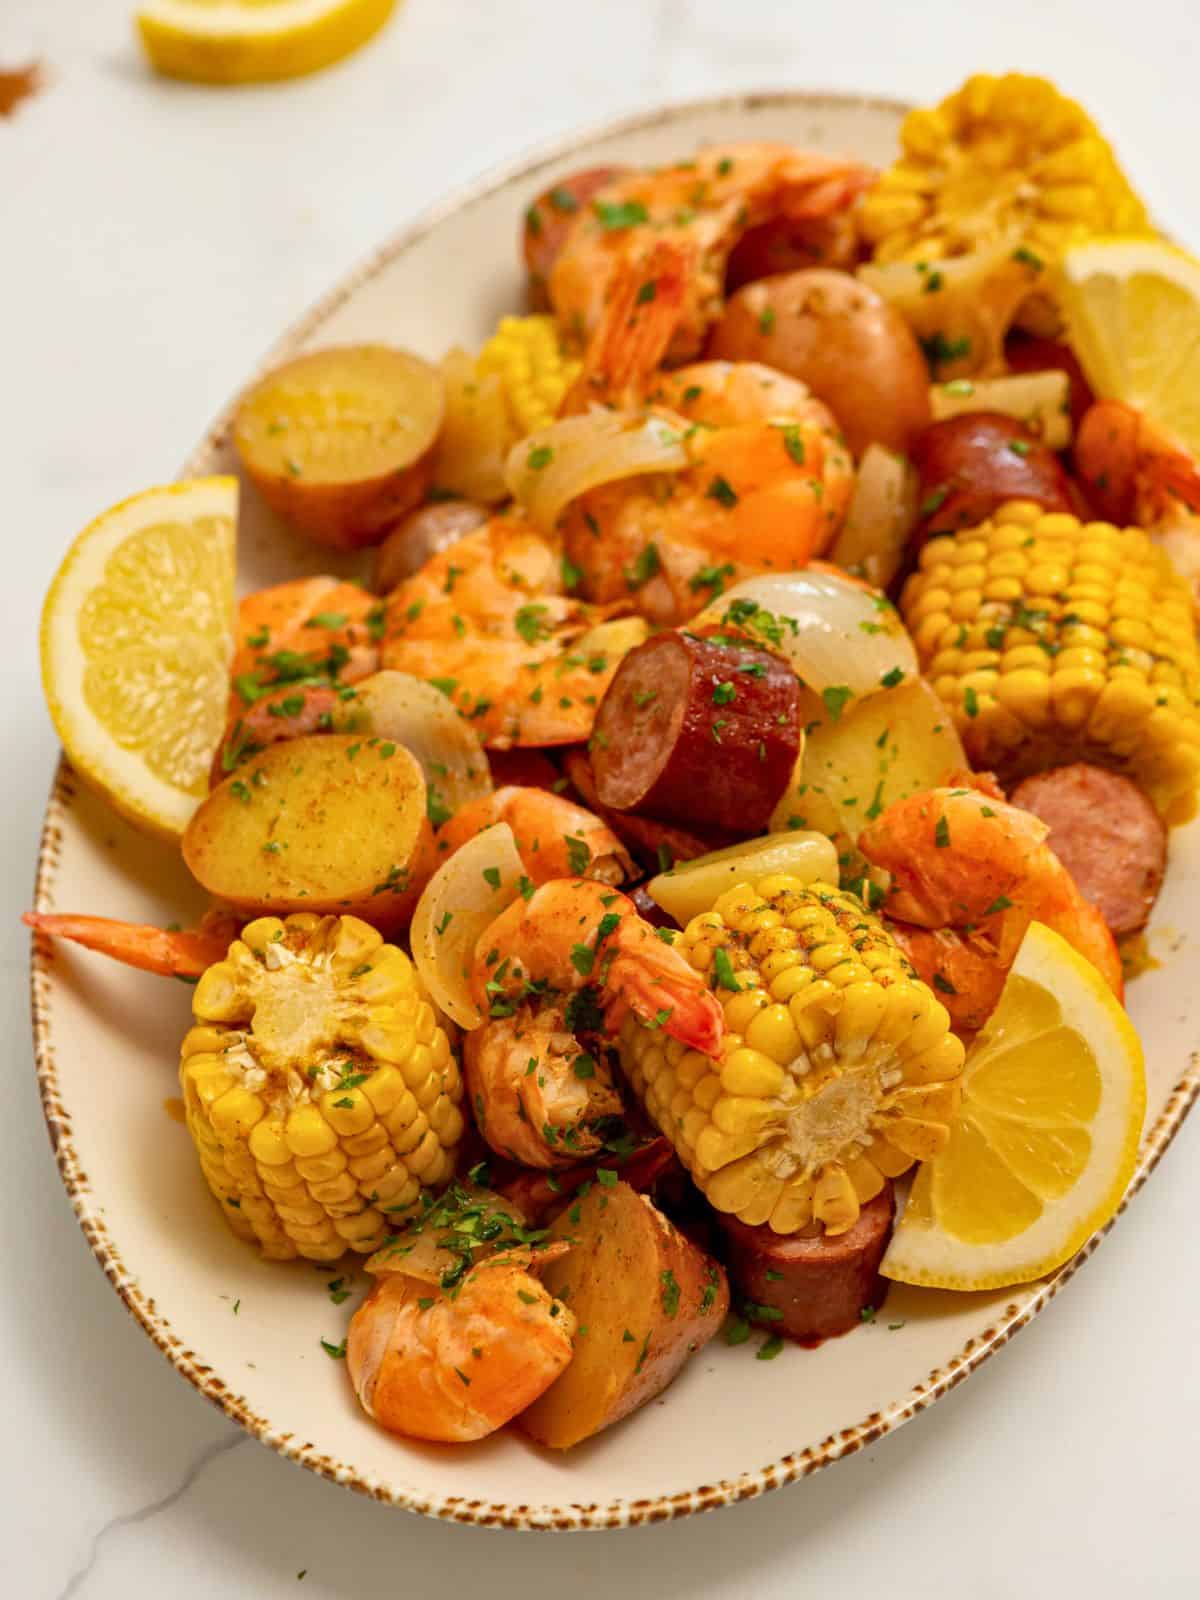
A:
x,y
320,1092
526,354
838,1070
1052,640
1002,158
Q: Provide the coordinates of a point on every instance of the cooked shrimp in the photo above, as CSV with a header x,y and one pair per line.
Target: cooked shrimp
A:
x,y
311,628
488,622
1135,472
963,859
455,1366
171,953
538,1095
962,968
569,959
554,837
703,206
767,484
573,933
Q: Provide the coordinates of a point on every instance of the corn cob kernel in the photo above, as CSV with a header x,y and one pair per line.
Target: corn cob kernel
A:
x,y
1089,655
525,353
296,1085
838,1070
1006,158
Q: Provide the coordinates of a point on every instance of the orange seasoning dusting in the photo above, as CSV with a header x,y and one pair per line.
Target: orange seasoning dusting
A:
x,y
21,83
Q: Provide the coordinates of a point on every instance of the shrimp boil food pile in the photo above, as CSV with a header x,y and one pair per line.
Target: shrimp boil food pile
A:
x,y
678,888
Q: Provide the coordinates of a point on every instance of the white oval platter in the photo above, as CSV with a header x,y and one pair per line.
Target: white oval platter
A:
x,y
247,1334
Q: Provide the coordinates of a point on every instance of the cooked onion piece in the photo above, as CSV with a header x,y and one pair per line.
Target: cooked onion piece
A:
x,y
409,711
694,886
881,517
549,469
842,638
465,894
1041,400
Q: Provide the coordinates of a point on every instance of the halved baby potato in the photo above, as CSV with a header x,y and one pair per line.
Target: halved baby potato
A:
x,y
340,442
331,823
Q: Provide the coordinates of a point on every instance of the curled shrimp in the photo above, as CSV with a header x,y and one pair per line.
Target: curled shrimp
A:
x,y
703,207
540,1098
170,953
298,643
555,838
767,483
487,620
1135,472
962,859
572,958
455,1365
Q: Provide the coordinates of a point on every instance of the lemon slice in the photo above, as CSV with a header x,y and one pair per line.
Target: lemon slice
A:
x,y
251,41
1053,1096
137,641
1133,317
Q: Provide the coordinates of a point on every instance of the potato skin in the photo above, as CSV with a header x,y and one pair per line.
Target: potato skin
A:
x,y
648,1299
421,535
844,341
326,823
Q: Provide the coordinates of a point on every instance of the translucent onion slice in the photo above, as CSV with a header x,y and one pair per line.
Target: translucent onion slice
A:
x,y
881,518
549,469
1041,400
693,886
465,894
844,639
408,711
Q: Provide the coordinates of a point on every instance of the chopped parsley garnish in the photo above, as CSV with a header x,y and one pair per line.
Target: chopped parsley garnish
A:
x,y
539,458
624,214
723,971
836,697
723,492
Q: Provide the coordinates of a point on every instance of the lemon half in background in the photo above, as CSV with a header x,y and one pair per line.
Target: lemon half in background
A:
x,y
1046,1139
137,641
254,41
1133,317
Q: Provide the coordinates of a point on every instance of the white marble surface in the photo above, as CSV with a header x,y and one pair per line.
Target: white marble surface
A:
x,y
153,239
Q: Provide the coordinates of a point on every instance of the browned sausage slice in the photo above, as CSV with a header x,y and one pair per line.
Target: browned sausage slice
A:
x,y
821,1285
1108,836
697,730
971,464
657,845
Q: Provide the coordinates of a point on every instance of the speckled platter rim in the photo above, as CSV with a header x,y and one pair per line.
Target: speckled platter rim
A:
x,y
87,1204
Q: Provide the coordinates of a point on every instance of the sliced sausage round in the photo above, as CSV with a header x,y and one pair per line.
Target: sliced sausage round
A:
x,y
657,845
1108,836
821,1285
971,464
699,731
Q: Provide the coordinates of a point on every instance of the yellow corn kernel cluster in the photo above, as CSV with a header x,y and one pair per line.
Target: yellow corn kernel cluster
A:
x,y
838,1070
1003,158
320,1092
1053,640
525,353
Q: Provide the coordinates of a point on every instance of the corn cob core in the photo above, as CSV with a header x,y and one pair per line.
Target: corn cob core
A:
x,y
525,353
320,1092
1006,157
838,1070
1052,640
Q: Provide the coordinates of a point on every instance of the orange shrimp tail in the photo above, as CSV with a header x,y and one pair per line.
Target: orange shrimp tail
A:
x,y
170,955
643,311
691,1015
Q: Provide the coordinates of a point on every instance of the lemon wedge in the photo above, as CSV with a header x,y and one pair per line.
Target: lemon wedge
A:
x,y
1044,1145
252,41
137,640
1132,308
